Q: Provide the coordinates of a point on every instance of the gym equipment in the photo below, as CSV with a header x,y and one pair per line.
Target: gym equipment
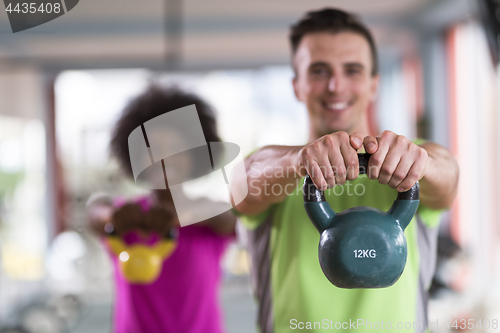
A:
x,y
361,247
140,263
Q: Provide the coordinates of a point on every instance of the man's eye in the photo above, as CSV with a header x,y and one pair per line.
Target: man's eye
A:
x,y
353,71
319,72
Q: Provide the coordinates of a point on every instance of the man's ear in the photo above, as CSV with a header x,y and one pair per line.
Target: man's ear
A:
x,y
374,86
295,87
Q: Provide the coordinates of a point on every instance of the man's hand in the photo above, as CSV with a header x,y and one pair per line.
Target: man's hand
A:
x,y
330,160
395,160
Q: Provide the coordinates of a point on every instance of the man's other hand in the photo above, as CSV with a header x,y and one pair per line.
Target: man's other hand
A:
x,y
395,160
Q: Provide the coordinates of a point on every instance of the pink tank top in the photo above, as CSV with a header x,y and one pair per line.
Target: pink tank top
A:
x,y
184,298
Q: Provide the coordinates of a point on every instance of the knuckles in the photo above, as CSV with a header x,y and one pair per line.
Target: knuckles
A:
x,y
343,136
387,134
306,154
403,141
330,173
422,153
398,176
413,175
352,161
385,171
327,140
376,159
333,140
341,172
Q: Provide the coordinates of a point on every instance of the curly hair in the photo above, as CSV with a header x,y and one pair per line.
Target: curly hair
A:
x,y
334,21
151,103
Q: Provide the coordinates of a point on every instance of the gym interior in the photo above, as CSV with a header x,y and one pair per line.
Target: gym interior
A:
x,y
64,83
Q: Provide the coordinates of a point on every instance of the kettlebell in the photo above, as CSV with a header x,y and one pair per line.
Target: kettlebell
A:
x,y
140,263
361,247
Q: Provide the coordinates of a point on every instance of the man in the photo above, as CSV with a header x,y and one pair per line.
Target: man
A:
x,y
336,76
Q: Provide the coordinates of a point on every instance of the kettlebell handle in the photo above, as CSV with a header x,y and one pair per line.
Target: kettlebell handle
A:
x,y
312,194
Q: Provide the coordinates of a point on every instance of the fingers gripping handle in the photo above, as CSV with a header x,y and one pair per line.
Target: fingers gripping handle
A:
x,y
312,194
363,163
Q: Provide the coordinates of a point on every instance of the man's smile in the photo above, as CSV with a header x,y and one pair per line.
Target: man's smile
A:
x,y
336,106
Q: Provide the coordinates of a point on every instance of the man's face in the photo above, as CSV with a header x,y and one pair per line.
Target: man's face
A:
x,y
333,78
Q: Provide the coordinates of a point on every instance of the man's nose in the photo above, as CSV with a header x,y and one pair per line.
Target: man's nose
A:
x,y
335,84
332,83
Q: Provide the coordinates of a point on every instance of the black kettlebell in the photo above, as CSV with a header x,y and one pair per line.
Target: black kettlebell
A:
x,y
361,247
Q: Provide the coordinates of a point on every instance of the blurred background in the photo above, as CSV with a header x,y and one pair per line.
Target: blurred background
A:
x,y
63,84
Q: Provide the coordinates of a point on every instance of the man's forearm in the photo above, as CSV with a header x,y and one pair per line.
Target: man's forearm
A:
x,y
271,177
438,187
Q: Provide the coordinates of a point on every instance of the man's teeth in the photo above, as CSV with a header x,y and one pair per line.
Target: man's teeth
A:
x,y
337,106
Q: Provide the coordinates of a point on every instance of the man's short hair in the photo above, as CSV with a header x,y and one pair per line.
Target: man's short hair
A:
x,y
334,21
151,103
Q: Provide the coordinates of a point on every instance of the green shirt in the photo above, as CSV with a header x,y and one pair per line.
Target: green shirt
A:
x,y
291,288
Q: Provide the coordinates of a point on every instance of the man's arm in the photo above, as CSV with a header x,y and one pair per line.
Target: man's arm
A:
x,y
273,171
332,159
438,187
262,168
